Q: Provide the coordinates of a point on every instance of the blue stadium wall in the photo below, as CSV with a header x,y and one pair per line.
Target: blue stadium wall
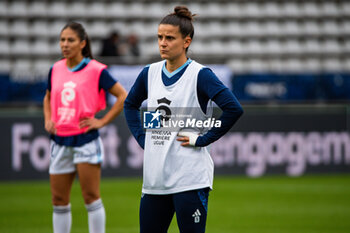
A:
x,y
249,88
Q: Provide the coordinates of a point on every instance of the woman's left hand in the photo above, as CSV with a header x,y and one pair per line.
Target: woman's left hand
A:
x,y
187,138
91,123
185,141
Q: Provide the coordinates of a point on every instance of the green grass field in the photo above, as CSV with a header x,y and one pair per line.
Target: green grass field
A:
x,y
272,204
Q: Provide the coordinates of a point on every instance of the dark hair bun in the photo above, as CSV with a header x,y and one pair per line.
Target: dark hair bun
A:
x,y
183,12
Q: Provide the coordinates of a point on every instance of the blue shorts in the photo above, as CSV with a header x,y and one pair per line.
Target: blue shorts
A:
x,y
157,211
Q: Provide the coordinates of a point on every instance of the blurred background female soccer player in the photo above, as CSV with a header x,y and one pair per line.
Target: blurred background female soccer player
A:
x,y
75,93
178,173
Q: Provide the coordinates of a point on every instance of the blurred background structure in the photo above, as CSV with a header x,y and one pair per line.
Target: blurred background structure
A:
x,y
287,61
299,42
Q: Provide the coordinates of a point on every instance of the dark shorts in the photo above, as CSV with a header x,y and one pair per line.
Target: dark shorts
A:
x,y
157,211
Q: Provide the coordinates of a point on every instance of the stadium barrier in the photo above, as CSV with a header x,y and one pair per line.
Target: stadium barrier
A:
x,y
291,140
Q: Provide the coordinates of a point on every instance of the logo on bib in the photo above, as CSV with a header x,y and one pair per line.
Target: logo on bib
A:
x,y
68,93
163,107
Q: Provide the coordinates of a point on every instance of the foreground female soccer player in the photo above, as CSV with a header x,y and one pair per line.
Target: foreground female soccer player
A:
x,y
76,92
178,170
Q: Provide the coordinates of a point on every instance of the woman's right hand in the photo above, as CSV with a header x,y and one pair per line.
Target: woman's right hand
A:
x,y
50,127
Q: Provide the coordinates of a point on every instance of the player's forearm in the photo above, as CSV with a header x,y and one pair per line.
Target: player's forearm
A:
x,y
232,111
132,116
227,121
47,107
114,111
118,91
